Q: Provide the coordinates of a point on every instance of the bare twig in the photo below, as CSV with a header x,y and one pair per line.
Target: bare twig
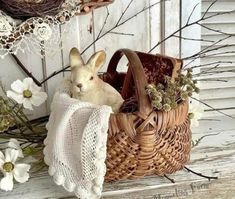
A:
x,y
123,13
205,71
207,49
194,8
212,63
187,24
211,80
197,142
212,108
105,21
107,32
170,179
122,33
21,65
209,7
215,30
201,175
192,39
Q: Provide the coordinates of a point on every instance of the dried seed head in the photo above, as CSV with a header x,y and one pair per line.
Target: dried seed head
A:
x,y
166,107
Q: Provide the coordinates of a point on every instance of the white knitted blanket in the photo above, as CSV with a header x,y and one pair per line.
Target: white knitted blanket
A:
x,y
75,148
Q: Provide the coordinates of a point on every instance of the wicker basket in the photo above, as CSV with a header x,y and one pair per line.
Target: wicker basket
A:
x,y
146,141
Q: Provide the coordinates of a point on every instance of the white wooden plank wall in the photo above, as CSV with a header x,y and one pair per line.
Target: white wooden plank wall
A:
x,y
147,29
190,47
219,94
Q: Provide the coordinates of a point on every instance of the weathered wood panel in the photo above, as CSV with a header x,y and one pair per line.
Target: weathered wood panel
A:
x,y
214,155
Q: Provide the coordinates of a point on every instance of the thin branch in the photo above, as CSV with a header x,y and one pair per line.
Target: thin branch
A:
x,y
123,13
223,71
105,21
211,80
208,119
220,53
192,39
122,33
203,18
205,71
209,7
212,63
214,109
207,49
197,142
21,65
181,28
228,108
201,175
215,30
120,24
170,179
102,35
194,8
218,14
53,74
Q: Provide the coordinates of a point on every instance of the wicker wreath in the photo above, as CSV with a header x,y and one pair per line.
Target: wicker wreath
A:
x,y
23,9
37,17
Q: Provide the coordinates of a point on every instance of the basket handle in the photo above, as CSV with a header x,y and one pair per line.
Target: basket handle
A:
x,y
137,71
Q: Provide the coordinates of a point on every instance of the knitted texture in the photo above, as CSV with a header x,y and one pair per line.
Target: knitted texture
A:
x,y
75,148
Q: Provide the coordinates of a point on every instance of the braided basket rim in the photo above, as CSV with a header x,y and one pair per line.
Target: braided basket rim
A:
x,y
181,105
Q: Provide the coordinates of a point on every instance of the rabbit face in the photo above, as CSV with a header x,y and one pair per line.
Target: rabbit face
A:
x,y
83,79
84,76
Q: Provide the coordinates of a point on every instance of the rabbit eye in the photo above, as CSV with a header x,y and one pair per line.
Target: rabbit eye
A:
x,y
91,78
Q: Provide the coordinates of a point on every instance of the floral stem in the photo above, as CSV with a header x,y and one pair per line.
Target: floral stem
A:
x,y
21,65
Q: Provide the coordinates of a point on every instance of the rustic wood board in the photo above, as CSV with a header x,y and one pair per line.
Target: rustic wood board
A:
x,y
214,155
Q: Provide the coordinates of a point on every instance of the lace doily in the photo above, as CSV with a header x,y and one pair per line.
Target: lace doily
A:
x,y
75,147
35,34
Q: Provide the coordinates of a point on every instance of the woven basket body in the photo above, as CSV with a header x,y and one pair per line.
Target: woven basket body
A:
x,y
145,142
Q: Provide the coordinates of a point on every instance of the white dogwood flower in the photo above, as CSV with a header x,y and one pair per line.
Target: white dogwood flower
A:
x,y
14,144
195,114
27,93
42,31
12,170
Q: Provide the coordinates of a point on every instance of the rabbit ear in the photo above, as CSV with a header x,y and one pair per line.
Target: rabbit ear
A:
x,y
75,58
97,60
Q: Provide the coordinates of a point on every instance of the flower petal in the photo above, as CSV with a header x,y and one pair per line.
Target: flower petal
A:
x,y
11,155
34,88
17,86
15,96
6,183
38,98
28,82
22,178
2,157
14,144
21,172
27,104
2,160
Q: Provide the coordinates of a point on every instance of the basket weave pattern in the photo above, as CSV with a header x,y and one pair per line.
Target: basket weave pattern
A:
x,y
146,141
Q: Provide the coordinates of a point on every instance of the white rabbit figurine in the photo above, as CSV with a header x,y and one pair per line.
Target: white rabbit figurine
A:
x,y
87,86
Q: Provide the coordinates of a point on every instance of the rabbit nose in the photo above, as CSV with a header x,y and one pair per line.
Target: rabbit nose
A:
x,y
79,85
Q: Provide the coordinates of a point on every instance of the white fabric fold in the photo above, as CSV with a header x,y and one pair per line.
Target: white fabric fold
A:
x,y
75,147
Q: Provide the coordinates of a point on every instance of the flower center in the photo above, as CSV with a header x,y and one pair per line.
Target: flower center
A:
x,y
8,167
27,94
